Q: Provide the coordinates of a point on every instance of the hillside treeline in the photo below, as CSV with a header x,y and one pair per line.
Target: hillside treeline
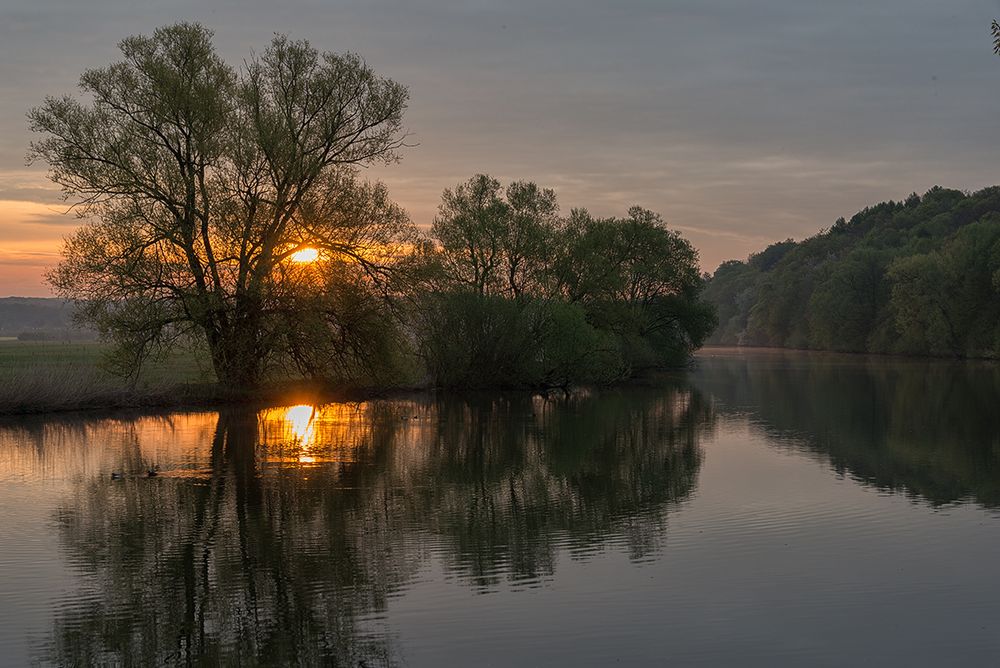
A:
x,y
920,276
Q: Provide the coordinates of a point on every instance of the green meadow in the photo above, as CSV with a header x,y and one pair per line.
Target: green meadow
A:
x,y
46,375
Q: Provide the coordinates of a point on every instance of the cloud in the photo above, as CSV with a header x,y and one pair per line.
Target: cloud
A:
x,y
24,219
30,185
742,123
31,234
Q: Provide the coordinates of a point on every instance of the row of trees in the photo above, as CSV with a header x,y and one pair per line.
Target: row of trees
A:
x,y
921,276
204,184
523,296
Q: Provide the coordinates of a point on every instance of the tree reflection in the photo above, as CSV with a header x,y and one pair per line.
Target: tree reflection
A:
x,y
210,569
579,471
272,547
928,428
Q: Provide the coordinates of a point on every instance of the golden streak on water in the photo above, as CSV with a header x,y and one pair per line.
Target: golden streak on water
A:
x,y
300,421
312,435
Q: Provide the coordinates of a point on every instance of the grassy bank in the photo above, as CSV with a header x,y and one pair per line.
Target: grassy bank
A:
x,y
45,377
50,376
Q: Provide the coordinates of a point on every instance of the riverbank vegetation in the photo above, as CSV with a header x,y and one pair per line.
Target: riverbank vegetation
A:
x,y
917,277
513,299
523,297
225,214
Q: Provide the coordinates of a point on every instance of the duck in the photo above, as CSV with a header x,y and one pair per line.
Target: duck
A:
x,y
115,475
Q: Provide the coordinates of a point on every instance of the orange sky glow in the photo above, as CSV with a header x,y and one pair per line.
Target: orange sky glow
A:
x,y
738,137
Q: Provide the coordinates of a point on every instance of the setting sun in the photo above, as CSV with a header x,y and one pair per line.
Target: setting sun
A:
x,y
305,255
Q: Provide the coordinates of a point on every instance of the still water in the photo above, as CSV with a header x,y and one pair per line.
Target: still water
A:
x,y
764,508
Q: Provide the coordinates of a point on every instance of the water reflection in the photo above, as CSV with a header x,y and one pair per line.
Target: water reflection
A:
x,y
279,537
299,420
926,428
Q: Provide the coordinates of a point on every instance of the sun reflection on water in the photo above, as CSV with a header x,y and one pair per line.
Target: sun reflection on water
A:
x,y
333,433
300,421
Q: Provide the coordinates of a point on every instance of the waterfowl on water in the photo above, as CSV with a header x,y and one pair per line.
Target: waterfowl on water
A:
x,y
115,475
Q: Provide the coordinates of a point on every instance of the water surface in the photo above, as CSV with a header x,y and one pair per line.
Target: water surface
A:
x,y
764,508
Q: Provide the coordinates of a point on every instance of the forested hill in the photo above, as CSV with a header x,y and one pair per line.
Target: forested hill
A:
x,y
921,276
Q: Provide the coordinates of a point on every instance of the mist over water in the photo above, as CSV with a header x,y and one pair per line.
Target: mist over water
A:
x,y
761,508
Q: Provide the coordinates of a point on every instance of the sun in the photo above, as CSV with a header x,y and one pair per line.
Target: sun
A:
x,y
305,255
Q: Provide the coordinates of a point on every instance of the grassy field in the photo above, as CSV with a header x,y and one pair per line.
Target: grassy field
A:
x,y
40,376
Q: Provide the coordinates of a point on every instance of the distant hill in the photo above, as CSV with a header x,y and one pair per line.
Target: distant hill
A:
x,y
39,319
920,276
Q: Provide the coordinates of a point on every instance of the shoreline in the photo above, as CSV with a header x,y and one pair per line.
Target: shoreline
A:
x,y
207,396
194,397
197,396
845,353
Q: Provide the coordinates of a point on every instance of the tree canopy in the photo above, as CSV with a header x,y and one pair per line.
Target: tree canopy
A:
x,y
527,297
223,209
202,180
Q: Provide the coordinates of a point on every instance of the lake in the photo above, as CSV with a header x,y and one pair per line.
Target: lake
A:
x,y
764,508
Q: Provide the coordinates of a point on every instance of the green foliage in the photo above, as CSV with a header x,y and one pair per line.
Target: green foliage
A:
x,y
733,291
844,309
913,277
770,256
946,301
471,340
525,298
494,241
202,180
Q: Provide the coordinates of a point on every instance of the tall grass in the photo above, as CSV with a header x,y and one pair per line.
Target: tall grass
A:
x,y
41,388
40,377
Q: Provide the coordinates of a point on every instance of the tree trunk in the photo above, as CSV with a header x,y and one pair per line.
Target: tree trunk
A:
x,y
236,356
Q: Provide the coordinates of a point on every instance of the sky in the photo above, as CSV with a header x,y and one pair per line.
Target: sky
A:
x,y
741,122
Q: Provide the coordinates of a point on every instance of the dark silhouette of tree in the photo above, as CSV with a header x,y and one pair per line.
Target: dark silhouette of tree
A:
x,y
202,182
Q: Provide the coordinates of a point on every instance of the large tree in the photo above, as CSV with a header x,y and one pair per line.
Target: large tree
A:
x,y
201,181
495,241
